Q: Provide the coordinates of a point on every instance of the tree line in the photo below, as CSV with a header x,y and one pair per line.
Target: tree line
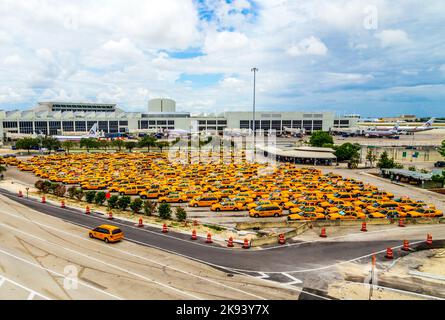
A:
x,y
137,205
52,144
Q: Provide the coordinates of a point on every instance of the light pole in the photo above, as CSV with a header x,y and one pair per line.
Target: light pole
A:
x,y
255,70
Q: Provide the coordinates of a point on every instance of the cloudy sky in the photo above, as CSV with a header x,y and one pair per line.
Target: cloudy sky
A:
x,y
372,57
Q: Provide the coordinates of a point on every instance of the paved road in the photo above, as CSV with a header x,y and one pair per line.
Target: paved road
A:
x,y
40,255
294,258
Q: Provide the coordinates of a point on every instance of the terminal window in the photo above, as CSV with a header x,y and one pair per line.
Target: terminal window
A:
x,y
41,126
80,126
318,124
68,126
26,127
9,124
296,124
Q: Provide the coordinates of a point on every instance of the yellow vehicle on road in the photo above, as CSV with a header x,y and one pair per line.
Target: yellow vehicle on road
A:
x,y
107,233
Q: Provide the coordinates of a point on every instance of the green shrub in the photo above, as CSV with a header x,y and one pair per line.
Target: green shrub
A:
x,y
100,198
39,185
90,195
60,190
136,205
79,194
149,207
72,192
165,211
123,202
181,214
112,202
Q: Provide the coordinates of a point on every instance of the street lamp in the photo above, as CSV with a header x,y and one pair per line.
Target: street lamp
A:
x,y
254,70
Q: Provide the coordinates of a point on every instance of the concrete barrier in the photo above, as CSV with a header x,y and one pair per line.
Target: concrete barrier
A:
x,y
333,223
273,239
268,224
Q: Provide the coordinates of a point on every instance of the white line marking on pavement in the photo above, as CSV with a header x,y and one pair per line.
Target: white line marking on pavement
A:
x,y
144,258
104,263
294,280
3,279
54,272
75,211
263,275
31,296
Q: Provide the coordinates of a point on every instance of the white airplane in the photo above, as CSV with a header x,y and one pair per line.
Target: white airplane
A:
x,y
91,134
425,127
382,133
294,131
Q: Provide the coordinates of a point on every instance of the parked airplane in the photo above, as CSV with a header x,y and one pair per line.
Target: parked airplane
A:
x,y
425,127
91,134
381,133
295,132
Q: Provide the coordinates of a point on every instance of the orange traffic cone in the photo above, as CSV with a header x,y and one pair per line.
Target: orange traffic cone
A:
x,y
401,223
43,199
62,204
87,210
246,244
164,228
405,245
323,233
230,243
429,239
20,194
194,237
363,229
281,239
209,238
141,223
110,215
389,254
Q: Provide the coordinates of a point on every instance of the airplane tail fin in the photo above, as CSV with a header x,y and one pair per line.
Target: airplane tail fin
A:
x,y
429,123
93,130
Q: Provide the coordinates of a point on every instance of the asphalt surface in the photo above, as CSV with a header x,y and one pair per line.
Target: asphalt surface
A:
x,y
298,257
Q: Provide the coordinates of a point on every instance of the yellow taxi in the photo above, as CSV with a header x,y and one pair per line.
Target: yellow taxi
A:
x,y
227,206
107,233
203,201
266,210
173,198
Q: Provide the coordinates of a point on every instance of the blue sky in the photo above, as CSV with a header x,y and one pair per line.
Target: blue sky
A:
x,y
372,57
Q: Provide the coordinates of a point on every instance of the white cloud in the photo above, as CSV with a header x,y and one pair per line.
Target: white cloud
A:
x,y
13,60
225,41
389,38
308,46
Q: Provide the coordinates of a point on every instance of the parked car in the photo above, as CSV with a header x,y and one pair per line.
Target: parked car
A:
x,y
439,164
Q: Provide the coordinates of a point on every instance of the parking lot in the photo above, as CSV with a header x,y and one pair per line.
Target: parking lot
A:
x,y
225,190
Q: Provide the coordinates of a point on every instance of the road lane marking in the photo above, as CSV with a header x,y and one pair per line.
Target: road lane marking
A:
x,y
292,271
294,280
77,211
3,280
55,273
144,258
104,263
237,269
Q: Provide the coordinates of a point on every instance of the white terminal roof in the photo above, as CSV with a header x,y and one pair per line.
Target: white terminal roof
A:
x,y
298,153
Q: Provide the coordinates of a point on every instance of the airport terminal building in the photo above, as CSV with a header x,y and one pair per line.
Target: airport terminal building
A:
x,y
53,118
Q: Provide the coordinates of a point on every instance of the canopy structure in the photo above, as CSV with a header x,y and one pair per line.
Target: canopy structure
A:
x,y
300,155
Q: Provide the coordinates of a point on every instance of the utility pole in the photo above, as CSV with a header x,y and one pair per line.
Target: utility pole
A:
x,y
254,70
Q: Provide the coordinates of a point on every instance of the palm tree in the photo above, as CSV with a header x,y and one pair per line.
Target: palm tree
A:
x,y
147,142
68,145
119,144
